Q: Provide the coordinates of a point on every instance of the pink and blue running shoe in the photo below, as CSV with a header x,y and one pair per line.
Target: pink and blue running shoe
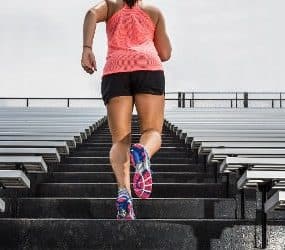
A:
x,y
124,205
142,180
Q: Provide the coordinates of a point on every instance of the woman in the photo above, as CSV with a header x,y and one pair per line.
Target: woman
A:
x,y
133,75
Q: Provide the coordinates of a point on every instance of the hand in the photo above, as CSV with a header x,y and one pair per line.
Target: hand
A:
x,y
88,61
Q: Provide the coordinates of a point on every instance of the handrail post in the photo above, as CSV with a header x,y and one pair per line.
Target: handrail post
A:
x,y
183,100
68,102
245,99
179,99
27,102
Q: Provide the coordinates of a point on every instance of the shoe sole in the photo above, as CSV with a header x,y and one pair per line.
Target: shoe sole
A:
x,y
142,184
142,181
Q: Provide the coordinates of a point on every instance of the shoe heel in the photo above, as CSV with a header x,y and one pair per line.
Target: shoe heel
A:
x,y
124,208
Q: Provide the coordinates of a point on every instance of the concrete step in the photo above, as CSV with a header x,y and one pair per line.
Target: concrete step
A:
x,y
106,167
109,177
83,152
109,144
83,147
135,127
100,159
90,208
134,132
135,137
139,234
99,135
109,141
102,134
109,190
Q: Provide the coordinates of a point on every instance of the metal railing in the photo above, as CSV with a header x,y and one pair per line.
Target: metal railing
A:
x,y
229,99
66,103
174,99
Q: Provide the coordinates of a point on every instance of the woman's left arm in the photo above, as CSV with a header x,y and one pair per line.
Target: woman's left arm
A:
x,y
96,14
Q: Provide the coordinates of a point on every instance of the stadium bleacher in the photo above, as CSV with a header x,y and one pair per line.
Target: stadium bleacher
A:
x,y
276,201
70,140
254,133
33,137
246,145
2,206
14,179
247,142
32,164
61,146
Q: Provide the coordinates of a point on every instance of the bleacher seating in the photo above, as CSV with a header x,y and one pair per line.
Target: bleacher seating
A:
x,y
49,154
196,142
61,146
276,201
2,206
188,209
206,147
219,154
70,140
247,142
14,179
33,137
31,164
234,163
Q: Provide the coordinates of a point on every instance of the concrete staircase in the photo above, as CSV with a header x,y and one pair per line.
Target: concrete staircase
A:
x,y
72,207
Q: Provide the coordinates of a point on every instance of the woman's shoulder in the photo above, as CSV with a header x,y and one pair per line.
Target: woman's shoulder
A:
x,y
153,11
113,6
149,7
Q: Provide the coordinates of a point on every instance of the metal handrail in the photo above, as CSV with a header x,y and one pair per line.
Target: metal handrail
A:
x,y
182,98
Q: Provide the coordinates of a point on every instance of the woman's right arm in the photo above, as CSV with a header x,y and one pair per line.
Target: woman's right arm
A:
x,y
161,39
94,15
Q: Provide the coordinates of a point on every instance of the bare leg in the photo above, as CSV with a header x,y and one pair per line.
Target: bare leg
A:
x,y
119,111
150,110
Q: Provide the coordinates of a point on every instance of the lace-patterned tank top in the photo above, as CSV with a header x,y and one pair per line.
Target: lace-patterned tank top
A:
x,y
130,33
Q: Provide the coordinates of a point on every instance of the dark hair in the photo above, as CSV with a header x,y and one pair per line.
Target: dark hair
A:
x,y
130,3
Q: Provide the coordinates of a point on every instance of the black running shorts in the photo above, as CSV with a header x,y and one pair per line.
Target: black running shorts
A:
x,y
130,83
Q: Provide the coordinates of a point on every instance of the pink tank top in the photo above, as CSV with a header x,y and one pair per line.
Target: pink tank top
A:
x,y
130,33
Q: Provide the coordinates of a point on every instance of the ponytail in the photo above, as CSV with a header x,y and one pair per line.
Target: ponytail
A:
x,y
130,3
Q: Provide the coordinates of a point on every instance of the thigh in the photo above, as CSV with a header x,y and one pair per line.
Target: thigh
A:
x,y
150,110
119,111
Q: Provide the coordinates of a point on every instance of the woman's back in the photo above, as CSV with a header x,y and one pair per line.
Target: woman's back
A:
x,y
130,34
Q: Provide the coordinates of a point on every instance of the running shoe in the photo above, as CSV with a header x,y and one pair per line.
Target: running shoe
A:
x,y
142,180
124,205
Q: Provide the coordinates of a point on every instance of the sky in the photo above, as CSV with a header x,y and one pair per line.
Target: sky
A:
x,y
220,45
